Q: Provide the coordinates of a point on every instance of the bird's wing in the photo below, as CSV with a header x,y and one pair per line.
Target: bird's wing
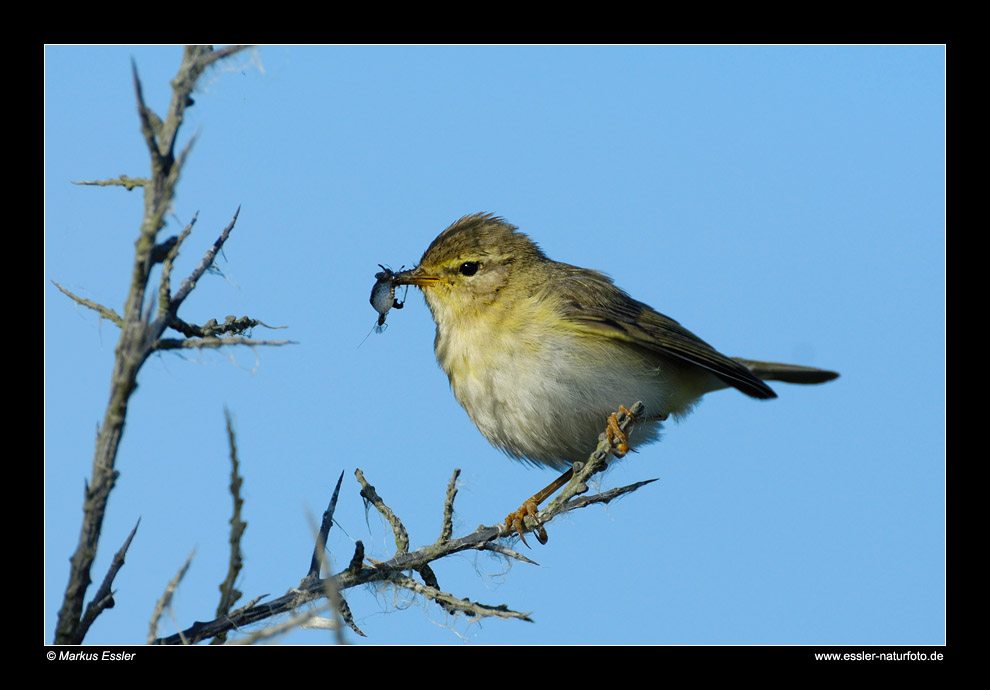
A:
x,y
590,301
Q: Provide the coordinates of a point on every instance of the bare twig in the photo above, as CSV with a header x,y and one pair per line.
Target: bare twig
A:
x,y
206,343
325,524
105,312
211,328
452,604
103,598
124,181
168,262
166,599
228,592
189,283
448,507
396,569
305,619
139,335
369,494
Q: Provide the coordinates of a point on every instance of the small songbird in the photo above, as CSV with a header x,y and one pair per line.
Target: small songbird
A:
x,y
541,353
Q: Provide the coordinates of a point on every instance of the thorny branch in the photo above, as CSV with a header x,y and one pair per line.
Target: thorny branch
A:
x,y
140,334
398,569
229,594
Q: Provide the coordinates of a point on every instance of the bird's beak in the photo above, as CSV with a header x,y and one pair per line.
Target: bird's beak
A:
x,y
416,276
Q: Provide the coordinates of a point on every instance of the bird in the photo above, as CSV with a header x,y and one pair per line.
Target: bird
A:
x,y
541,354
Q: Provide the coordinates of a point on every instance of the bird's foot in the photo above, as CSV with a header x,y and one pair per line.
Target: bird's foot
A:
x,y
616,437
515,524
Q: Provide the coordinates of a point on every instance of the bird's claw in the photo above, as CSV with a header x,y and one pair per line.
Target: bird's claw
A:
x,y
514,523
613,432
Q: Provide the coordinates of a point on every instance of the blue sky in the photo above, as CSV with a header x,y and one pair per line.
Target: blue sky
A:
x,y
784,203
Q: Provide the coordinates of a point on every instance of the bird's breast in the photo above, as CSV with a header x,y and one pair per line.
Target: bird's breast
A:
x,y
544,394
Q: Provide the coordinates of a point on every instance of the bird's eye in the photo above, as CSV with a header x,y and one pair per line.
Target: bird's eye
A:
x,y
469,268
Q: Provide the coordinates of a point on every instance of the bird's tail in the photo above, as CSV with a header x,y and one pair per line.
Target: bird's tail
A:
x,y
788,373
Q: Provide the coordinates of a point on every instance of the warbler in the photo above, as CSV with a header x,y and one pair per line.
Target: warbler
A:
x,y
540,353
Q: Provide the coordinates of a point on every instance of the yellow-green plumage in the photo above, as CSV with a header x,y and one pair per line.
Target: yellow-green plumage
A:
x,y
539,352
